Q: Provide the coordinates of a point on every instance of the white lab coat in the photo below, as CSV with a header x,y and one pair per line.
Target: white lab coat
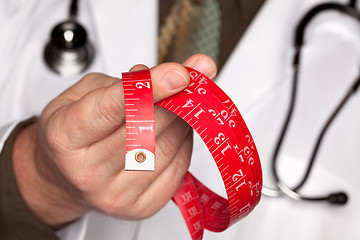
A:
x,y
257,77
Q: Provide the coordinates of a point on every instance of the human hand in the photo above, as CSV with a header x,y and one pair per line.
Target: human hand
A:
x,y
76,163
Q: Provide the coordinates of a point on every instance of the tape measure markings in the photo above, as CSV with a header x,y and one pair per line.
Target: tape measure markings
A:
x,y
207,103
188,201
218,122
183,99
227,102
140,123
217,159
223,98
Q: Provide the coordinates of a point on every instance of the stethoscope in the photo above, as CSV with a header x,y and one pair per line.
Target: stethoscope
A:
x,y
339,198
69,52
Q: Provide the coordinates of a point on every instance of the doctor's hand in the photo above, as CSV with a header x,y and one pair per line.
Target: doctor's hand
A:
x,y
76,161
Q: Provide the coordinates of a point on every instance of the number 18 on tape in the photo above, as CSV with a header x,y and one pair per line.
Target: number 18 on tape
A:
x,y
214,116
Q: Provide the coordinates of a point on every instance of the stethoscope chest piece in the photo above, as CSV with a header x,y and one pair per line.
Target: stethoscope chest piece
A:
x,y
68,52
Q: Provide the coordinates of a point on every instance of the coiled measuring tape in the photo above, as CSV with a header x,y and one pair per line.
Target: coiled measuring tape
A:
x,y
216,119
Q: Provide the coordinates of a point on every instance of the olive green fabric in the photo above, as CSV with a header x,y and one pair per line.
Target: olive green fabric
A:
x,y
16,219
236,15
192,26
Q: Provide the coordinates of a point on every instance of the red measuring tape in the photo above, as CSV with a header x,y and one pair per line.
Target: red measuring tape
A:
x,y
140,121
216,119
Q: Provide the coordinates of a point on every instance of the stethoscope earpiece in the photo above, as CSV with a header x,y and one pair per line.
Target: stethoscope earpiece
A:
x,y
340,198
69,52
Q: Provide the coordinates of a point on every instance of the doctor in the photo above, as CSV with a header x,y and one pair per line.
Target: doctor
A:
x,y
261,66
64,162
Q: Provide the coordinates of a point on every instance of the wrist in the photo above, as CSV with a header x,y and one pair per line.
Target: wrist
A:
x,y
47,199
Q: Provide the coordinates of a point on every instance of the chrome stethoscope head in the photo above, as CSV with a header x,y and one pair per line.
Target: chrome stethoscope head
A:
x,y
69,52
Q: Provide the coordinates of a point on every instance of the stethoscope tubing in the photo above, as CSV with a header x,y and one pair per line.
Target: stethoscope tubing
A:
x,y
282,188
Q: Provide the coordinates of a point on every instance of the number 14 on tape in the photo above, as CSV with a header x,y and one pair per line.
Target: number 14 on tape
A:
x,y
140,121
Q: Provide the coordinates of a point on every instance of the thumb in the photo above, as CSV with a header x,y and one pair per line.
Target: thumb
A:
x,y
167,79
101,112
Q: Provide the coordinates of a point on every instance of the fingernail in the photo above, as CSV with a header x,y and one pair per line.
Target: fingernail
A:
x,y
174,80
206,67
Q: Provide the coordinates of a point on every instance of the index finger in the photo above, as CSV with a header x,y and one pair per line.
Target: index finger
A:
x,y
101,111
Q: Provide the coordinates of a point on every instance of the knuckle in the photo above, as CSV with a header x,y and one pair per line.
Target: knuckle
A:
x,y
84,180
100,79
124,205
109,108
91,76
170,144
182,164
55,137
141,210
183,157
167,145
108,205
115,205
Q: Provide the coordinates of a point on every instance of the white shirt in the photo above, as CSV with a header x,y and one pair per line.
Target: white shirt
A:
x,y
257,77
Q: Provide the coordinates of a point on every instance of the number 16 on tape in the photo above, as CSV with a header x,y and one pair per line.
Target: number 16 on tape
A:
x,y
140,121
